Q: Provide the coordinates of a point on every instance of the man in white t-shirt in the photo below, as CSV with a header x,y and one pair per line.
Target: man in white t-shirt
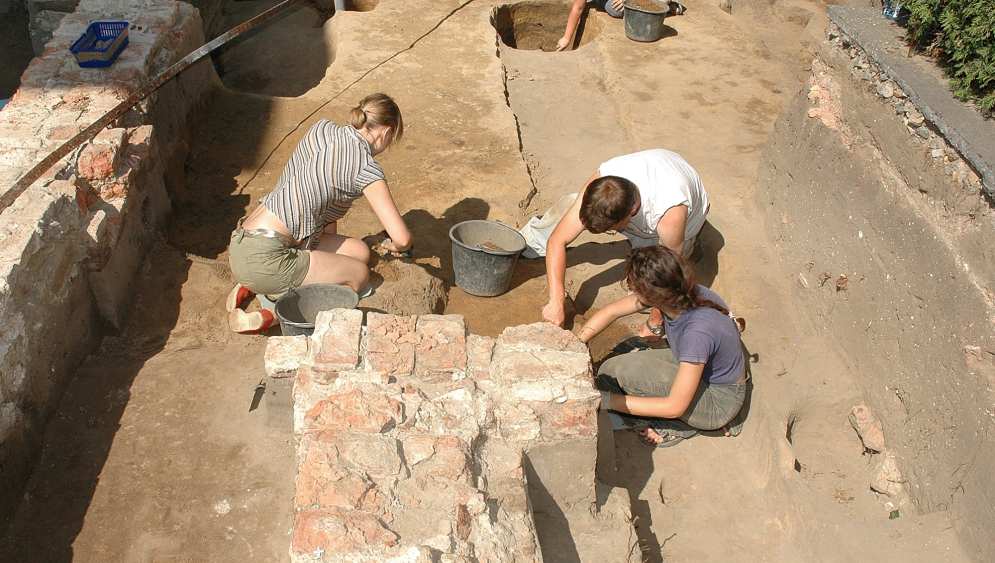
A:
x,y
652,197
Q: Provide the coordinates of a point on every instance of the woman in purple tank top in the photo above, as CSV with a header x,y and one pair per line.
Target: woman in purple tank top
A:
x,y
699,383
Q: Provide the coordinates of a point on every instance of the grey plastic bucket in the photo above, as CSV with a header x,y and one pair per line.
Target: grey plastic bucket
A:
x,y
643,25
485,254
298,308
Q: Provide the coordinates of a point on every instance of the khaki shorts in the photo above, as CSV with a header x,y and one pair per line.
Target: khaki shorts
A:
x,y
266,265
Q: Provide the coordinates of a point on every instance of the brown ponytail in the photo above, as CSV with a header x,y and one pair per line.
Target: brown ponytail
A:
x,y
378,110
663,279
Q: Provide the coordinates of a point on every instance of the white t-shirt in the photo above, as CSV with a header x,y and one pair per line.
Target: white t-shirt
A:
x,y
664,180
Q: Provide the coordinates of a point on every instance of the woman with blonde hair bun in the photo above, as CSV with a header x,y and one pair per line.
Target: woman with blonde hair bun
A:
x,y
291,238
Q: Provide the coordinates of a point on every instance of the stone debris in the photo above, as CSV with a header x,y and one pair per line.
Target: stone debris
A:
x,y
863,68
887,478
868,427
411,437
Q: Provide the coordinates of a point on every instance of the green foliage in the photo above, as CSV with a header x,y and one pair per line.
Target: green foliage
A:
x,y
961,33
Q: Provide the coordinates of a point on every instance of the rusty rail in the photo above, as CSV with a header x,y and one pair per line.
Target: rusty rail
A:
x,y
11,195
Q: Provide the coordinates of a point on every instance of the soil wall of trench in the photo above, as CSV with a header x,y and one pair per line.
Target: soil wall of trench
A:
x,y
893,261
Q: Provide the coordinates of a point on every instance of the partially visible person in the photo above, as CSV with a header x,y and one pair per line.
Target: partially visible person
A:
x,y
652,197
614,9
291,238
699,383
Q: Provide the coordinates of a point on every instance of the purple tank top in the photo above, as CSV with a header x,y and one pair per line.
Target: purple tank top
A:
x,y
706,336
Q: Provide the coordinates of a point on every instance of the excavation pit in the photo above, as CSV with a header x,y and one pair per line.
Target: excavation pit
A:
x,y
537,26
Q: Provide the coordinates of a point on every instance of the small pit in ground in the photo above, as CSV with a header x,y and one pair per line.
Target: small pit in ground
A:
x,y
535,26
285,56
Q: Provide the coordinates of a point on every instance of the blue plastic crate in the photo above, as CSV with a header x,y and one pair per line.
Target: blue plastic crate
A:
x,y
100,44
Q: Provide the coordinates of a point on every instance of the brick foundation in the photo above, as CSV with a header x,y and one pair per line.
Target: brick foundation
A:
x,y
417,441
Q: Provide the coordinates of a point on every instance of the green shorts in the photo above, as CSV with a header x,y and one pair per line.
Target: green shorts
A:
x,y
265,264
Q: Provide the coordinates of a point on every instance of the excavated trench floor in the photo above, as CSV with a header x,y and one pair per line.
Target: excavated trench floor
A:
x,y
155,455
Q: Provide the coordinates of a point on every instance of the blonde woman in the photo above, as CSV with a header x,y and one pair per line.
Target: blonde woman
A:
x,y
291,238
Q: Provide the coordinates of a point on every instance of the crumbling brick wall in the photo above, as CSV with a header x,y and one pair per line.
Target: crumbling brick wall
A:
x,y
412,435
72,244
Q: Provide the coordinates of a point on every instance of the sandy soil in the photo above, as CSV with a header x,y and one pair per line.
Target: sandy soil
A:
x,y
155,456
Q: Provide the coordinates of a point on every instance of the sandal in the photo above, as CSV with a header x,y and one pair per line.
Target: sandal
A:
x,y
671,437
677,8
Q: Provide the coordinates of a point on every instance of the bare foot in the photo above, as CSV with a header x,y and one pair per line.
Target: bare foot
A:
x,y
651,437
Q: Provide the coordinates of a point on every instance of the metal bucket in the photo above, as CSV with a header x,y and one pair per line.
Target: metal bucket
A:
x,y
298,308
485,254
643,25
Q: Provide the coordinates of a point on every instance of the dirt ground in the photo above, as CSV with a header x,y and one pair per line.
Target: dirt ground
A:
x,y
155,454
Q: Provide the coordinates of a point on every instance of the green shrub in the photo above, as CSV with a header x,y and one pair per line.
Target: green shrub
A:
x,y
961,33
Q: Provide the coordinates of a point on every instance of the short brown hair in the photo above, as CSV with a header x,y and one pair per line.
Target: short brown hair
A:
x,y
378,110
608,201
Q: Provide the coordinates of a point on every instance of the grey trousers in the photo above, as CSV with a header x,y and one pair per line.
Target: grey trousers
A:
x,y
651,373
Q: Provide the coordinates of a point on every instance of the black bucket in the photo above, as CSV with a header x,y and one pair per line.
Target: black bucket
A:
x,y
485,254
298,308
643,25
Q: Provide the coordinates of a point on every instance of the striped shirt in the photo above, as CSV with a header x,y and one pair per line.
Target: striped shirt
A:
x,y
329,170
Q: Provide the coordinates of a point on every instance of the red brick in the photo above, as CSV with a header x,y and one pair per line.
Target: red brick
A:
x,y
98,162
442,349
339,531
356,412
322,482
390,343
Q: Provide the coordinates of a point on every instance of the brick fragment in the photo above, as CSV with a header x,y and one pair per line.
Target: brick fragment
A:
x,y
868,427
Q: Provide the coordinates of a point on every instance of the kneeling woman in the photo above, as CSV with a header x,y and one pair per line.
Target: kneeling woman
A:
x,y
700,382
291,238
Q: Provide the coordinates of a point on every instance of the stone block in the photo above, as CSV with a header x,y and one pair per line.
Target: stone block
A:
x,y
511,367
284,355
441,352
540,336
354,411
337,336
338,531
868,427
390,343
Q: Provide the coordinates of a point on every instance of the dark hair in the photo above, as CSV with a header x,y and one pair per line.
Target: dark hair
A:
x,y
378,110
662,278
608,201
